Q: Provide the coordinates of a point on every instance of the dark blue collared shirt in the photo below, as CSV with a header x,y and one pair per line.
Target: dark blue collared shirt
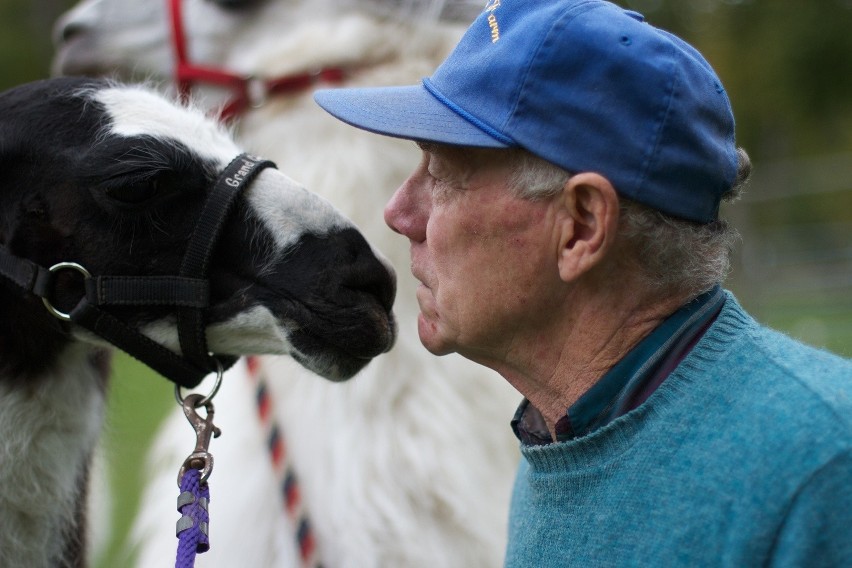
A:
x,y
632,380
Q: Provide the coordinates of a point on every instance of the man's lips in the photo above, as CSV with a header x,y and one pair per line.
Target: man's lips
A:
x,y
418,276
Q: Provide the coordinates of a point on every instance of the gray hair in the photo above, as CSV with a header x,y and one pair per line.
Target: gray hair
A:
x,y
670,255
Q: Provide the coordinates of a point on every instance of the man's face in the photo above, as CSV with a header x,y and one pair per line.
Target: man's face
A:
x,y
486,259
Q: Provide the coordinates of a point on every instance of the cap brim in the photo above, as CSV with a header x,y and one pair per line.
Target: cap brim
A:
x,y
403,112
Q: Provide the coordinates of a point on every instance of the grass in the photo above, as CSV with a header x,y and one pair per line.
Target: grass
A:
x,y
820,321
137,403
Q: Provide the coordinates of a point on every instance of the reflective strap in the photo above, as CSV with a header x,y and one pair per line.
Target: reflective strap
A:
x,y
183,524
186,523
186,498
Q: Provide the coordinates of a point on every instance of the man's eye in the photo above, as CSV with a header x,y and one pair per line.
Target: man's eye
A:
x,y
134,193
437,170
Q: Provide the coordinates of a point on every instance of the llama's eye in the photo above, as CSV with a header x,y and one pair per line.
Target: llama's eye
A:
x,y
134,193
234,5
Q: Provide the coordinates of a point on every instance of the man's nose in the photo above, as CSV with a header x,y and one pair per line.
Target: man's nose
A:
x,y
406,212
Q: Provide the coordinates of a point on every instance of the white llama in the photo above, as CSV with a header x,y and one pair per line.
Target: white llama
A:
x,y
411,463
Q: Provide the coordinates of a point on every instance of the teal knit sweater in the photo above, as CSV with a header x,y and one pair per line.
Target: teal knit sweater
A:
x,y
742,457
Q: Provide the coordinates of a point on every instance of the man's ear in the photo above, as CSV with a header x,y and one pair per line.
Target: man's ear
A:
x,y
590,222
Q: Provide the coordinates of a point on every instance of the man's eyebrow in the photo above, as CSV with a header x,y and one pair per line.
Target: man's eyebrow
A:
x,y
429,147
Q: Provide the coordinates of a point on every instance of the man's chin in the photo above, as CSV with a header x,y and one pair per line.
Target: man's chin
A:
x,y
431,338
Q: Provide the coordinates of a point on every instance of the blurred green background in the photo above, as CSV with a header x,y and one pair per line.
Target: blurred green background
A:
x,y
787,65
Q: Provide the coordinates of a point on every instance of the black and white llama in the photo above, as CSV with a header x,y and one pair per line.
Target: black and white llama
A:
x,y
410,464
109,182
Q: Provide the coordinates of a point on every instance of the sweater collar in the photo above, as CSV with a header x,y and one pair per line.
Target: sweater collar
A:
x,y
695,379
631,380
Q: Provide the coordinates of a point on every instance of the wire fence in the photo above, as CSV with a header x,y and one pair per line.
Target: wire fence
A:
x,y
793,270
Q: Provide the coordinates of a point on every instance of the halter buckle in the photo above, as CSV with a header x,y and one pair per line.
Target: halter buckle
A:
x,y
257,92
56,268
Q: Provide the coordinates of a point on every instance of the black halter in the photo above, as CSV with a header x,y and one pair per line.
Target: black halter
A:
x,y
189,291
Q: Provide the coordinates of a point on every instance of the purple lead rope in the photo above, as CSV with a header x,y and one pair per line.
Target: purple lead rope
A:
x,y
192,527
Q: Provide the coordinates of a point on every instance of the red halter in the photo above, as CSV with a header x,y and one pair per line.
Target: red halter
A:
x,y
248,91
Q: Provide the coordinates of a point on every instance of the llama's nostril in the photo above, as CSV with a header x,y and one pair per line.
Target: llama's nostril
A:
x,y
370,276
65,33
384,289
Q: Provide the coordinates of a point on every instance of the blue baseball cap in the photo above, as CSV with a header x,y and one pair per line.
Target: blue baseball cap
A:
x,y
583,84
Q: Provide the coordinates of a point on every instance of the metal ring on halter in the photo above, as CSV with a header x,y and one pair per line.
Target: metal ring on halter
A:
x,y
219,372
56,268
256,90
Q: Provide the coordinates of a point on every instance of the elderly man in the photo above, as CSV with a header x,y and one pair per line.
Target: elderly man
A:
x,y
564,227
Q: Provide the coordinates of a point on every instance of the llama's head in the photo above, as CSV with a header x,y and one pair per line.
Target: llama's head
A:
x,y
133,40
114,178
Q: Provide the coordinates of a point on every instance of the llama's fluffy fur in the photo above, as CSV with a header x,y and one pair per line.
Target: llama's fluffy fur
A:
x,y
49,434
410,463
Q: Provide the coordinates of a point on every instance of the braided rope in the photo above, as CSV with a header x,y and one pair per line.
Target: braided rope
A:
x,y
192,528
288,481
